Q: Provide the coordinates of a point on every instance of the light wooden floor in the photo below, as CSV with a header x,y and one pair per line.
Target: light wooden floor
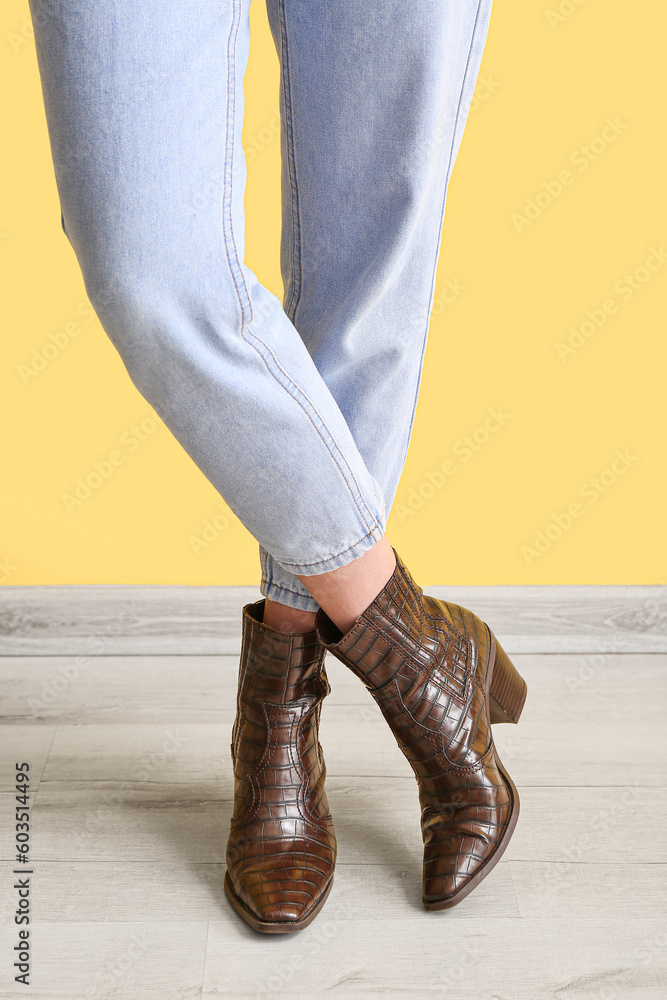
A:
x,y
132,788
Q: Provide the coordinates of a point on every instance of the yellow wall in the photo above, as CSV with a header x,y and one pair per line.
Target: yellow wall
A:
x,y
549,82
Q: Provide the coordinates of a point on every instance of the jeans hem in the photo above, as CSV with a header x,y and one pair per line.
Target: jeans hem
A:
x,y
275,592
342,558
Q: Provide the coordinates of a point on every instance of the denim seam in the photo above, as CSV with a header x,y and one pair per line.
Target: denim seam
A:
x,y
319,426
295,293
228,224
319,562
281,586
442,213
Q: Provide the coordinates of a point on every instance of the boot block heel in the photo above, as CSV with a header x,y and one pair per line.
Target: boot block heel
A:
x,y
507,693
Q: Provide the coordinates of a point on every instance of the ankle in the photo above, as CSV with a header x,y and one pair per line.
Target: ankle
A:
x,y
345,593
284,618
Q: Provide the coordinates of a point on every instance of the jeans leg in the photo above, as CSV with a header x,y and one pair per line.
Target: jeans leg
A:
x,y
144,106
374,100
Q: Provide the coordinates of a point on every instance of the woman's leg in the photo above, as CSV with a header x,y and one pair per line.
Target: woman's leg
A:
x,y
374,100
144,106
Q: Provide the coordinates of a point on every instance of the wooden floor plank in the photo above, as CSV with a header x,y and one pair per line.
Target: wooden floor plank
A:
x,y
178,619
132,960
357,744
377,822
504,959
129,750
112,890
155,890
120,689
586,890
24,744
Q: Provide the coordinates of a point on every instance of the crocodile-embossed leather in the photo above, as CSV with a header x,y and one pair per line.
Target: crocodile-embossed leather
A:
x,y
282,848
427,664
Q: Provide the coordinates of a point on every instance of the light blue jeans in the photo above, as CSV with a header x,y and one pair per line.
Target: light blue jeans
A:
x,y
300,413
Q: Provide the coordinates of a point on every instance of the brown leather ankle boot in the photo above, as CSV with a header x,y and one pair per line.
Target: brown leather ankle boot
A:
x,y
281,850
440,679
